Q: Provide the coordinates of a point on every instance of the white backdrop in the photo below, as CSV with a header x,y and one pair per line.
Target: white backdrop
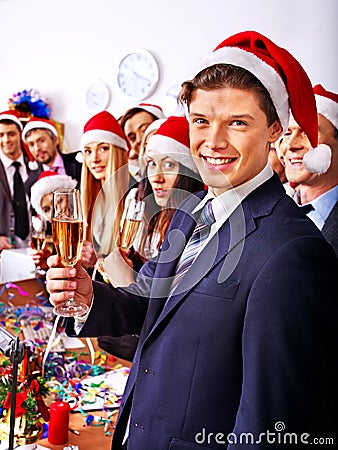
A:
x,y
61,48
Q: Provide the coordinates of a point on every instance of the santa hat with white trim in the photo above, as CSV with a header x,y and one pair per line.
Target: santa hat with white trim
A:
x,y
155,110
283,77
172,139
13,116
48,182
36,122
327,106
103,127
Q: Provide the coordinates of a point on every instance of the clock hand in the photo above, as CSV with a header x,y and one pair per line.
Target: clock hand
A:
x,y
138,75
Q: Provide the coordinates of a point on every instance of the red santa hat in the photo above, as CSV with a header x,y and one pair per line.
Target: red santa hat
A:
x,y
103,127
327,106
36,122
13,116
155,110
172,139
47,183
282,76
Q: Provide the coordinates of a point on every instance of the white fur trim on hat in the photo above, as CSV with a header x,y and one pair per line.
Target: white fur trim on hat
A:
x,y
327,108
47,185
102,136
318,160
12,118
154,126
38,124
152,109
173,149
266,74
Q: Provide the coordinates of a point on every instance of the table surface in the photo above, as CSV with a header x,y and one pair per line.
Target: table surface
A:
x,y
89,436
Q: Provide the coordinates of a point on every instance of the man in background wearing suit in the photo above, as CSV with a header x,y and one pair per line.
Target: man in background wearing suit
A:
x,y
11,153
238,326
42,139
316,192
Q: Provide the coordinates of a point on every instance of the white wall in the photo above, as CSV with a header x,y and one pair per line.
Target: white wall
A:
x,y
60,48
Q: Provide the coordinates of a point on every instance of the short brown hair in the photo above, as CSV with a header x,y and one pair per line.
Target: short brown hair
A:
x,y
227,75
130,113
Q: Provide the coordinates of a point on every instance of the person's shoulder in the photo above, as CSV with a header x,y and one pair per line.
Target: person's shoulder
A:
x,y
71,156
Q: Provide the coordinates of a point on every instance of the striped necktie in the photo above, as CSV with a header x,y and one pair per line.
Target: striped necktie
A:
x,y
199,235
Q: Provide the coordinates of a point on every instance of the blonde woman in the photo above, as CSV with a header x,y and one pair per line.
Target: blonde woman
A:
x,y
104,183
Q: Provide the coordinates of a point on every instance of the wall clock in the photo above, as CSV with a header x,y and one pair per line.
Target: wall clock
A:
x,y
169,103
98,96
138,74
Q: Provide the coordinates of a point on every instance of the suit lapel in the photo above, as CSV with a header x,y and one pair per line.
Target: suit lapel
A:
x,y
3,181
226,245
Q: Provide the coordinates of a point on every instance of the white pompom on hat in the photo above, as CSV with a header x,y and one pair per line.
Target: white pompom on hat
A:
x,y
327,106
172,139
47,183
103,127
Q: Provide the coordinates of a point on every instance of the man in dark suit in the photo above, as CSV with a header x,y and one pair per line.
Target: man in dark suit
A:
x,y
317,184
238,328
12,152
42,139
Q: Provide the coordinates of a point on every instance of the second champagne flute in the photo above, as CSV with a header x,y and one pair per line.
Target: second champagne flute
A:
x,y
132,222
38,239
67,228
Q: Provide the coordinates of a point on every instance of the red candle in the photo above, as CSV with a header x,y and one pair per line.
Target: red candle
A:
x,y
58,423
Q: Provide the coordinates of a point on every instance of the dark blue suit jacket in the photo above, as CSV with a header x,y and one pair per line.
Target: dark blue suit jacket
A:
x,y
249,340
72,168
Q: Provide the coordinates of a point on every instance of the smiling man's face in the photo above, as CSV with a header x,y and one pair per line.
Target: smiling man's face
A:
x,y
229,136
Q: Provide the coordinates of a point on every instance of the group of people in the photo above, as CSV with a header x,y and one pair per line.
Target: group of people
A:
x,y
230,292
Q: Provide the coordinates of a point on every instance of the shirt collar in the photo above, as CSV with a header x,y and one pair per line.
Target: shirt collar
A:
x,y
58,162
325,202
7,162
224,204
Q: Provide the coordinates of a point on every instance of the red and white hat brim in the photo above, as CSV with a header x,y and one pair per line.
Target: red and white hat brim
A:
x,y
12,118
172,148
157,112
40,125
328,108
103,136
266,74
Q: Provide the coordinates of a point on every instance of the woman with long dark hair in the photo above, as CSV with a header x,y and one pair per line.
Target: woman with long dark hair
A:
x,y
170,175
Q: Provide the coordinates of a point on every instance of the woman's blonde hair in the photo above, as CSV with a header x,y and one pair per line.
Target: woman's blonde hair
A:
x,y
103,205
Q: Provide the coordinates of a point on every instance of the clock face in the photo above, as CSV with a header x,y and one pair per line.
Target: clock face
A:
x,y
98,96
138,74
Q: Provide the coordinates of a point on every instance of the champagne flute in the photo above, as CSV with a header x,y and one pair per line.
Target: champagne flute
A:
x,y
132,221
67,229
38,239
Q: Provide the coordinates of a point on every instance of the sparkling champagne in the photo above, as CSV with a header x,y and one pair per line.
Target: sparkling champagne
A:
x,y
129,232
37,242
68,238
